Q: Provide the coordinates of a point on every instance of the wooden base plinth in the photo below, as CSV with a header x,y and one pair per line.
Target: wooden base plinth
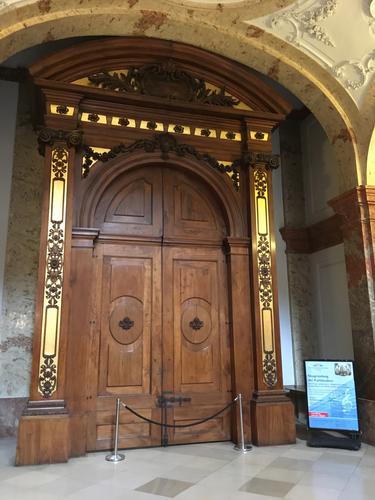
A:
x,y
43,439
273,421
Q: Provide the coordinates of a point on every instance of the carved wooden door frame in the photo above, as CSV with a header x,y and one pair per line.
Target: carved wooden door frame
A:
x,y
175,101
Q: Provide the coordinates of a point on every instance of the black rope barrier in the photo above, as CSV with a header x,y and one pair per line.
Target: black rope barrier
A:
x,y
174,426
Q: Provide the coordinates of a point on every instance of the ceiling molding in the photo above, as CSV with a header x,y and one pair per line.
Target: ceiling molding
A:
x,y
306,21
316,27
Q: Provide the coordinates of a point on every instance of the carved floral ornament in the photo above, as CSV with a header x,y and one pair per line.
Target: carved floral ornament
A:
x,y
165,80
53,281
126,323
265,284
166,144
299,20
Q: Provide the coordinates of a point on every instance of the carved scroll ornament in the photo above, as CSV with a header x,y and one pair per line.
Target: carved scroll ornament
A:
x,y
47,137
165,143
163,80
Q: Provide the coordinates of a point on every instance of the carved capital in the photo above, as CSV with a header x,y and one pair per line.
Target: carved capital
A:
x,y
48,137
254,160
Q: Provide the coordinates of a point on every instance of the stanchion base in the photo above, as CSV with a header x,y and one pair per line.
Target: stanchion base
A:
x,y
115,458
245,449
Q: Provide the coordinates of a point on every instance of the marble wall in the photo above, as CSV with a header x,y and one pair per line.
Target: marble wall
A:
x,y
299,272
17,315
319,303
9,100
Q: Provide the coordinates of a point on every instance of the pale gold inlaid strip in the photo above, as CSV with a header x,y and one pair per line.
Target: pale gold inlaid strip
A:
x,y
267,323
266,303
262,215
62,110
53,281
94,118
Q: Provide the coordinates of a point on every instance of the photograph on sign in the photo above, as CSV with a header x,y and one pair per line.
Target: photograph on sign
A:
x,y
331,395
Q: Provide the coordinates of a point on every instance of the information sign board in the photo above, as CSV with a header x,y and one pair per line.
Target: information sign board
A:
x,y
331,395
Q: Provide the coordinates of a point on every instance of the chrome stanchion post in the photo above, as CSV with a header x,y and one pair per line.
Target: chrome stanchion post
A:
x,y
242,447
115,456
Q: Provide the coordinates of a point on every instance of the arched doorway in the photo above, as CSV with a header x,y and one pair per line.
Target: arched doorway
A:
x,y
160,292
153,163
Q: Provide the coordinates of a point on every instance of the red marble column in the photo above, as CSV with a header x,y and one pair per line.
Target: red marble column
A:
x,y
357,211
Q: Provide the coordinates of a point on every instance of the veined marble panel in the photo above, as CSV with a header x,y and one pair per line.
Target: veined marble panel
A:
x,y
304,341
292,174
17,315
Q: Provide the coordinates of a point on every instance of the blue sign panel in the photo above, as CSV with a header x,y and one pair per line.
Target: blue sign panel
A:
x,y
331,396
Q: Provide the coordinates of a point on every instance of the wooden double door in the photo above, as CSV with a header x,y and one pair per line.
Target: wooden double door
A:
x,y
162,308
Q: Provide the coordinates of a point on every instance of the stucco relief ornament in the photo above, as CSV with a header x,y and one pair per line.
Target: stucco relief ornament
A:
x,y
371,22
294,23
354,74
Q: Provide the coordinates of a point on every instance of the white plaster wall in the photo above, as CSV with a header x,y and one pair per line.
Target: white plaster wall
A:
x,y
8,106
320,184
282,274
331,313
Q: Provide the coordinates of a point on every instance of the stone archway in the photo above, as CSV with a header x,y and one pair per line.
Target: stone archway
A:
x,y
218,30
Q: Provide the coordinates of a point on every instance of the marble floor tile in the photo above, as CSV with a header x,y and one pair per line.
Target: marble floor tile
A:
x,y
360,485
207,464
203,492
268,487
140,495
292,464
368,460
17,493
62,487
304,454
165,487
300,492
316,479
242,468
30,479
185,473
226,481
339,458
226,453
257,458
334,468
291,476
364,472
241,495
209,471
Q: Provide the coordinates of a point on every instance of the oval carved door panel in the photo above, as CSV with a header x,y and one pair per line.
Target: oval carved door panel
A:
x,y
195,321
126,320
